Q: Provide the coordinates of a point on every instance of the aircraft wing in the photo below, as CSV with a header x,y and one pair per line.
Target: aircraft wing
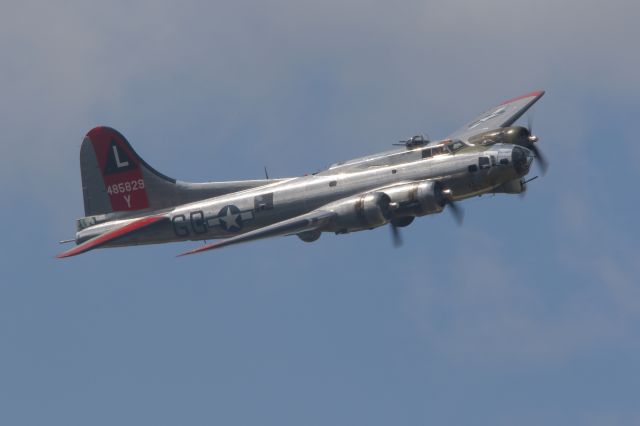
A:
x,y
306,222
114,234
503,115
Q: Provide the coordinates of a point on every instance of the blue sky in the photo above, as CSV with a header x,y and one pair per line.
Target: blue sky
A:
x,y
528,314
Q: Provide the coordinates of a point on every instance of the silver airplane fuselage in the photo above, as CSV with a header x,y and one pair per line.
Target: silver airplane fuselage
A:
x,y
467,172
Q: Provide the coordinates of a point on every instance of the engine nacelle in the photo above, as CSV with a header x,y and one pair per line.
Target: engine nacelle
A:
x,y
309,236
514,135
366,211
417,199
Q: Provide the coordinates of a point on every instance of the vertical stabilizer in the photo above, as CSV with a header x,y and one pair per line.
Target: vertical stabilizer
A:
x,y
115,179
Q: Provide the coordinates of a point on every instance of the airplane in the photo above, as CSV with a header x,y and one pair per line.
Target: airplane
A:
x,y
127,202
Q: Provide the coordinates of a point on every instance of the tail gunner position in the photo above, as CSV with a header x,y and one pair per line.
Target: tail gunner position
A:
x,y
127,202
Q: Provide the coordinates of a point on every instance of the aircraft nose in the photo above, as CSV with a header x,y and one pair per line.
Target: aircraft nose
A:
x,y
521,159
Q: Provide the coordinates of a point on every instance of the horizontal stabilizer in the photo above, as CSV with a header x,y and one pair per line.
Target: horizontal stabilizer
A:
x,y
114,234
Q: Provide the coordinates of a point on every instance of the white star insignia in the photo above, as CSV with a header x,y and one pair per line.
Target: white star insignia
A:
x,y
230,219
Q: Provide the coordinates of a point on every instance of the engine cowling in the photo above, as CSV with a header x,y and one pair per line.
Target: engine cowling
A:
x,y
514,135
309,236
366,211
417,199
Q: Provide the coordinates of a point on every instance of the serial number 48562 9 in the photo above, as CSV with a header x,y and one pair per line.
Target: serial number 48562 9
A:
x,y
124,187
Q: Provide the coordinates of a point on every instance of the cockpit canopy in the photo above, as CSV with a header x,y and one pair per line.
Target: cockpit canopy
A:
x,y
455,145
403,156
444,147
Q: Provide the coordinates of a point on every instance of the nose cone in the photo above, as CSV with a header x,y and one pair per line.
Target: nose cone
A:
x,y
521,159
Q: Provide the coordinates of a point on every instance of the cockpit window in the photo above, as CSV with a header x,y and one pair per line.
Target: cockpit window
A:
x,y
447,148
456,146
437,150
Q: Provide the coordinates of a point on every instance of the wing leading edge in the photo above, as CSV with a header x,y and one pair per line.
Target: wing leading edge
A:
x,y
503,115
306,222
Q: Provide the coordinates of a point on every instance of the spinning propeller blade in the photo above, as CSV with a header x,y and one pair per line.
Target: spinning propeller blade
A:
x,y
396,236
542,161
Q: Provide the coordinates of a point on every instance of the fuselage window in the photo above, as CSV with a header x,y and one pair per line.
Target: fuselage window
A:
x,y
493,160
483,162
263,202
333,183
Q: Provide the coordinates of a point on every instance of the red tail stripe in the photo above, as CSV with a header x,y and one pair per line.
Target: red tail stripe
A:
x,y
115,182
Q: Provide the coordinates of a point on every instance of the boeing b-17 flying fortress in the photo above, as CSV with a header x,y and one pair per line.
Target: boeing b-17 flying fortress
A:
x,y
127,202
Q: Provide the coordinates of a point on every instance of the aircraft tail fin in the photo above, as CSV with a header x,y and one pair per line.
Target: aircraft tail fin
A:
x,y
115,179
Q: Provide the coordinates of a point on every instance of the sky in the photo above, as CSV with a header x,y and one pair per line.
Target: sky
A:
x,y
527,314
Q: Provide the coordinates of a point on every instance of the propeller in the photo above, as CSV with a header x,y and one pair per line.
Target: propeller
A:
x,y
456,211
445,196
542,161
389,208
396,236
396,223
530,122
454,208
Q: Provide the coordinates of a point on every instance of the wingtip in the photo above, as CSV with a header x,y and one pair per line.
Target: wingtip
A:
x,y
68,253
534,94
197,250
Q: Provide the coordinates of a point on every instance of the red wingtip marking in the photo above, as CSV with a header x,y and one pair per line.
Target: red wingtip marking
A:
x,y
109,236
199,249
535,94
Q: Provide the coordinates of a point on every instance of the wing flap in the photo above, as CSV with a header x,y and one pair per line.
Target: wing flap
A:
x,y
109,236
503,115
306,222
